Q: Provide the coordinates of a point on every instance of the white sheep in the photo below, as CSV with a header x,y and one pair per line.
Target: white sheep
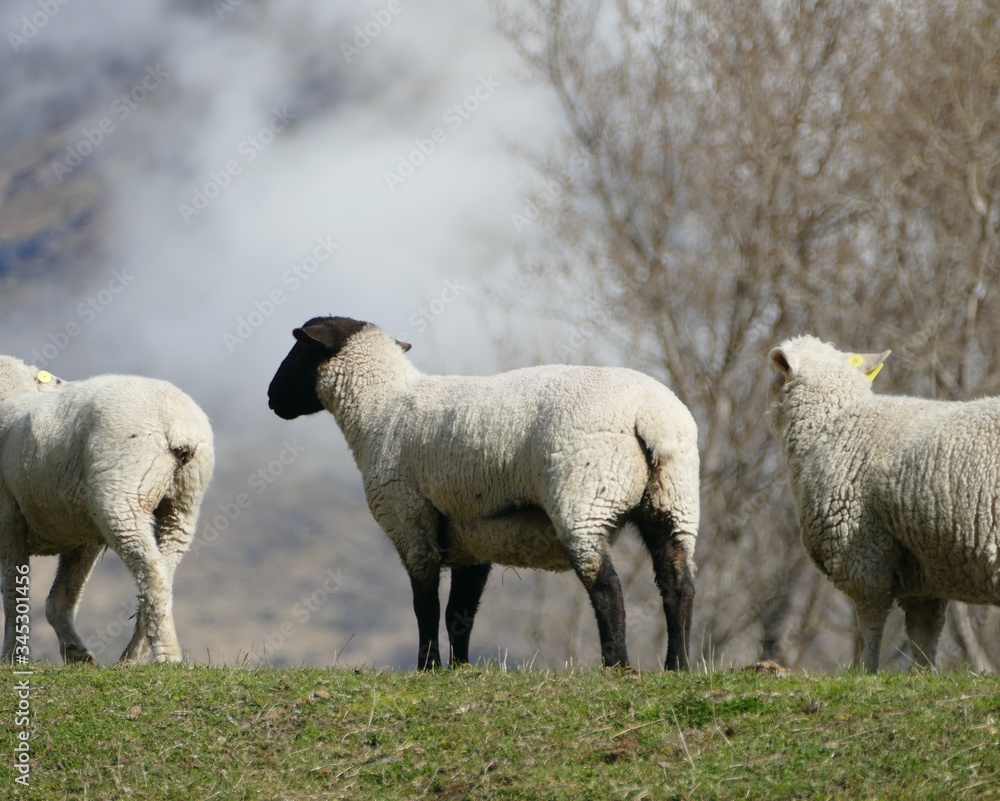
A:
x,y
118,462
898,497
539,467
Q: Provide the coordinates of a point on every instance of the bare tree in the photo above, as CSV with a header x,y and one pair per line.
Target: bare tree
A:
x,y
735,173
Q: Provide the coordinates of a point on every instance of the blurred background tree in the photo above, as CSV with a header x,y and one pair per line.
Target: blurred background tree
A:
x,y
736,173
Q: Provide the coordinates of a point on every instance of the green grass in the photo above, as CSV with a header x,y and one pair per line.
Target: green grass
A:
x,y
182,732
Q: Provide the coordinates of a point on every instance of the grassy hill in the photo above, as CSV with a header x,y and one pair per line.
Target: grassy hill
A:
x,y
181,732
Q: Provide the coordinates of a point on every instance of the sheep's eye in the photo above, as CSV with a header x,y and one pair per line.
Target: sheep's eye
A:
x,y
44,377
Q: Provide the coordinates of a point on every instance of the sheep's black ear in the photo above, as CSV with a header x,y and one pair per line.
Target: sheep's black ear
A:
x,y
404,345
784,363
315,335
328,332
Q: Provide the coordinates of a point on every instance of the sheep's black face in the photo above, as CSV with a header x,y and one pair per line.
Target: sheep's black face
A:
x,y
292,392
293,389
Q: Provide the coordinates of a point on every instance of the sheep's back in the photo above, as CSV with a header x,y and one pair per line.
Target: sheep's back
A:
x,y
480,444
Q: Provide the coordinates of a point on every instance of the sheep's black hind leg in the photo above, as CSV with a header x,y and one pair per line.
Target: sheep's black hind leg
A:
x,y
427,607
924,621
609,607
467,585
590,557
672,567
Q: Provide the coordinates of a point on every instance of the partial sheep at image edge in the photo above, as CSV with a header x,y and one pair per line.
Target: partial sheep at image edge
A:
x,y
119,462
898,497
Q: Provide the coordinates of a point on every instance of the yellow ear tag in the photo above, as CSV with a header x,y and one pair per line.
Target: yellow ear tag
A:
x,y
44,377
872,373
856,360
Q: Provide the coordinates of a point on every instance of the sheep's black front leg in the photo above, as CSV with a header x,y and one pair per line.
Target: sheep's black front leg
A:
x,y
427,607
467,585
675,581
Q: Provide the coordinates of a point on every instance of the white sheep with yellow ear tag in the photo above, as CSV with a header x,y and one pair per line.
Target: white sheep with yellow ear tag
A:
x,y
118,462
17,377
897,496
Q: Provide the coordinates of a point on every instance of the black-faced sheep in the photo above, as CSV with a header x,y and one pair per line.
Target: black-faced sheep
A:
x,y
539,467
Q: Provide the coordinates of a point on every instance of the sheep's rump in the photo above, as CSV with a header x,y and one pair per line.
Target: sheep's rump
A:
x,y
129,441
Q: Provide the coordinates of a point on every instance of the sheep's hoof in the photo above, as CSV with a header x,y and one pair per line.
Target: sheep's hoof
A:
x,y
168,659
78,653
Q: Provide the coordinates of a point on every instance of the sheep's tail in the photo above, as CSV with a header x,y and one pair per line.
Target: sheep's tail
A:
x,y
668,514
190,447
173,484
669,438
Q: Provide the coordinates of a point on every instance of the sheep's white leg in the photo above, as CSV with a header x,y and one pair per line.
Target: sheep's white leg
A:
x,y
673,568
75,567
152,573
924,621
175,526
13,554
871,624
467,585
174,532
